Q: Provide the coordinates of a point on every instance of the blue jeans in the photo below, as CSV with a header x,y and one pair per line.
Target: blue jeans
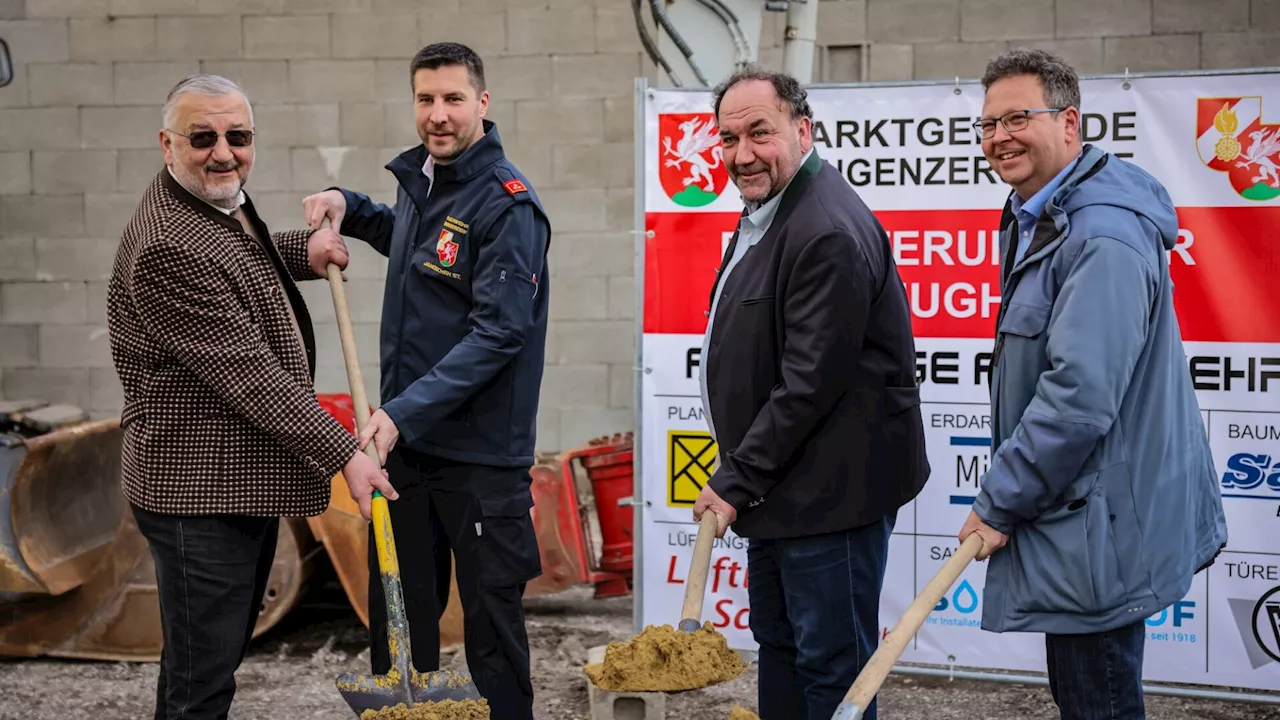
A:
x,y
1099,676
815,611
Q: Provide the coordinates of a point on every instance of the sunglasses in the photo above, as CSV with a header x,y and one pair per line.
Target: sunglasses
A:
x,y
205,139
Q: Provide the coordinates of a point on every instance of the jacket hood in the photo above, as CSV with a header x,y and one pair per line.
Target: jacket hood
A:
x,y
1101,178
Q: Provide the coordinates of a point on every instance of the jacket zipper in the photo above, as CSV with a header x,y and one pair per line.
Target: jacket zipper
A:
x,y
410,242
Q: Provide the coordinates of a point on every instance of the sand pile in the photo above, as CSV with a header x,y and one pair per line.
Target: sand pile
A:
x,y
663,659
740,713
443,710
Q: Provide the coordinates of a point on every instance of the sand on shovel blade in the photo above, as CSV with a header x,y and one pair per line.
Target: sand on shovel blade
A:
x,y
443,710
663,659
741,713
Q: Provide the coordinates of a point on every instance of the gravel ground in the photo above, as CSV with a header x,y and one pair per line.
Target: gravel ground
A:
x,y
290,672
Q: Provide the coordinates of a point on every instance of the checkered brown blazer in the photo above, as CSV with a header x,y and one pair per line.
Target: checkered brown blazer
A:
x,y
220,414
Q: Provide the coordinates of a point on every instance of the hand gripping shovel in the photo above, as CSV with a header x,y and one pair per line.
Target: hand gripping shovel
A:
x,y
402,684
867,684
695,588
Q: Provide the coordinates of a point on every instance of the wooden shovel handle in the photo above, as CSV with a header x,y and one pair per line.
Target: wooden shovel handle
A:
x,y
354,377
881,662
696,585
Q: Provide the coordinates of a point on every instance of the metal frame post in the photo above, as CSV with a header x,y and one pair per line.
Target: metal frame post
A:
x,y
639,503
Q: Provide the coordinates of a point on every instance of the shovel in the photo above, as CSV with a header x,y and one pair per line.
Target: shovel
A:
x,y
868,682
695,588
403,684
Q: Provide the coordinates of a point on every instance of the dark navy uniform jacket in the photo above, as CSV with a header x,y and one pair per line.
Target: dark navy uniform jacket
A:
x,y
464,315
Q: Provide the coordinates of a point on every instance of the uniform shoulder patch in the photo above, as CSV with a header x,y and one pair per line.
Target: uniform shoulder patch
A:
x,y
514,186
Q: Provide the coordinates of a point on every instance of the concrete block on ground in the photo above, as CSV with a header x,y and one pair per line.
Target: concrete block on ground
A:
x,y
606,705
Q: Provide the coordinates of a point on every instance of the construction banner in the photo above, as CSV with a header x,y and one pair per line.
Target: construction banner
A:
x,y
913,156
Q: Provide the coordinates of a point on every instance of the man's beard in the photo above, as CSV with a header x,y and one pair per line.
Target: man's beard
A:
x,y
222,196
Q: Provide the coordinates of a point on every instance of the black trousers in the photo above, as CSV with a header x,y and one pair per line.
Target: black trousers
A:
x,y
211,573
481,515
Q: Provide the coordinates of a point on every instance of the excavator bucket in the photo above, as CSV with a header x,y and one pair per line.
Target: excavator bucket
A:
x,y
76,576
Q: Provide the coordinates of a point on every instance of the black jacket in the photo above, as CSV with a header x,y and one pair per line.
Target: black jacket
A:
x,y
464,314
811,370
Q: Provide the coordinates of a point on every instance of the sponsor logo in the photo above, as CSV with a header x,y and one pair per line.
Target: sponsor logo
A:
x,y
690,165
1252,475
691,458
1258,622
446,248
1232,138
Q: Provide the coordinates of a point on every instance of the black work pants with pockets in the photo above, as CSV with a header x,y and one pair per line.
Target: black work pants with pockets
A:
x,y
211,573
481,515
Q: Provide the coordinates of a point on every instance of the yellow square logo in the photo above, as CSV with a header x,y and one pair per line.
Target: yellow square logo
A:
x,y
691,456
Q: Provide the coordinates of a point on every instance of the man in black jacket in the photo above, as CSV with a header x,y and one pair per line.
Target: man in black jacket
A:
x,y
464,325
809,387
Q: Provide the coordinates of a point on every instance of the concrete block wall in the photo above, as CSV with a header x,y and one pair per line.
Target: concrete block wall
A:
x,y
329,81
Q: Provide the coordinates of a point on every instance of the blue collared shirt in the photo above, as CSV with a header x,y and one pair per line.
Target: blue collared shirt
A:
x,y
751,228
1028,212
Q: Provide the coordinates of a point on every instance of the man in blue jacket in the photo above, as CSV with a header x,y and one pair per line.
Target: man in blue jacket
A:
x,y
464,323
1101,482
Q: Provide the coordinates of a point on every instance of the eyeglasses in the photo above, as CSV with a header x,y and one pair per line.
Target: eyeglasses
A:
x,y
1012,121
205,139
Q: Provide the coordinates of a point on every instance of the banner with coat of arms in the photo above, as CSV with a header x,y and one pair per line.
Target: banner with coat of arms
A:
x,y
912,154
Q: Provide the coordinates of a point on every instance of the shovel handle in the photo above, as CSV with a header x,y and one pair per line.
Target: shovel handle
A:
x,y
345,333
868,682
696,586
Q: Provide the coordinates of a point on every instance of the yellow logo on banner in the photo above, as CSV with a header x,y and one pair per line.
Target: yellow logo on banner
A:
x,y
690,458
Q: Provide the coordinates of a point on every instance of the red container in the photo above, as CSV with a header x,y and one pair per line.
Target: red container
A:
x,y
611,475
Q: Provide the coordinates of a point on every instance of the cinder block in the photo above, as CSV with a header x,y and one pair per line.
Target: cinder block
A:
x,y
361,124
622,386
936,61
1264,15
12,10
198,38
75,259
393,80
1232,50
622,297
110,212
68,172
148,83
582,299
15,95
293,37
39,129
70,84
581,120
1085,55
913,21
484,32
619,120
586,342
106,394
1159,52
133,127
109,39
840,22
19,346
590,76
357,168
620,209
891,62
1083,18
576,210
36,41
332,81
577,166
328,6
69,386
15,173
548,430
386,7
591,254
574,386
265,81
74,346
1005,19
147,8
618,164
43,303
97,303
536,32
329,345
19,259
240,7
1193,16
616,29
535,161
297,125
375,36
67,8
519,77
400,131
49,216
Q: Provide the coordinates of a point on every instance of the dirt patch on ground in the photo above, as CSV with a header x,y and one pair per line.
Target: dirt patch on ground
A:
x,y
443,710
290,674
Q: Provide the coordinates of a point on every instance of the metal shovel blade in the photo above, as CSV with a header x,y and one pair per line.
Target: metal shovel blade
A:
x,y
377,692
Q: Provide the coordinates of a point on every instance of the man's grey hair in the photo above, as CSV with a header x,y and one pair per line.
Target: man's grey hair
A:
x,y
203,84
789,89
1059,80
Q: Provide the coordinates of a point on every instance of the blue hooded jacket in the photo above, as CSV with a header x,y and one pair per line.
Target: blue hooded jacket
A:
x,y
1101,471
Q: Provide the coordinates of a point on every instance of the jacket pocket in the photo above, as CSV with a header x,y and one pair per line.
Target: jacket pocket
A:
x,y
1025,320
763,299
898,400
1066,561
508,545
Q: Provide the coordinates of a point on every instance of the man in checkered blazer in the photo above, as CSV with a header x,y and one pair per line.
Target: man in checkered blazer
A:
x,y
223,432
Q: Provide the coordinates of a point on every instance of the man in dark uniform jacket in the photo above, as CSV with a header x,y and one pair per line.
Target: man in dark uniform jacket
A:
x,y
464,323
810,391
